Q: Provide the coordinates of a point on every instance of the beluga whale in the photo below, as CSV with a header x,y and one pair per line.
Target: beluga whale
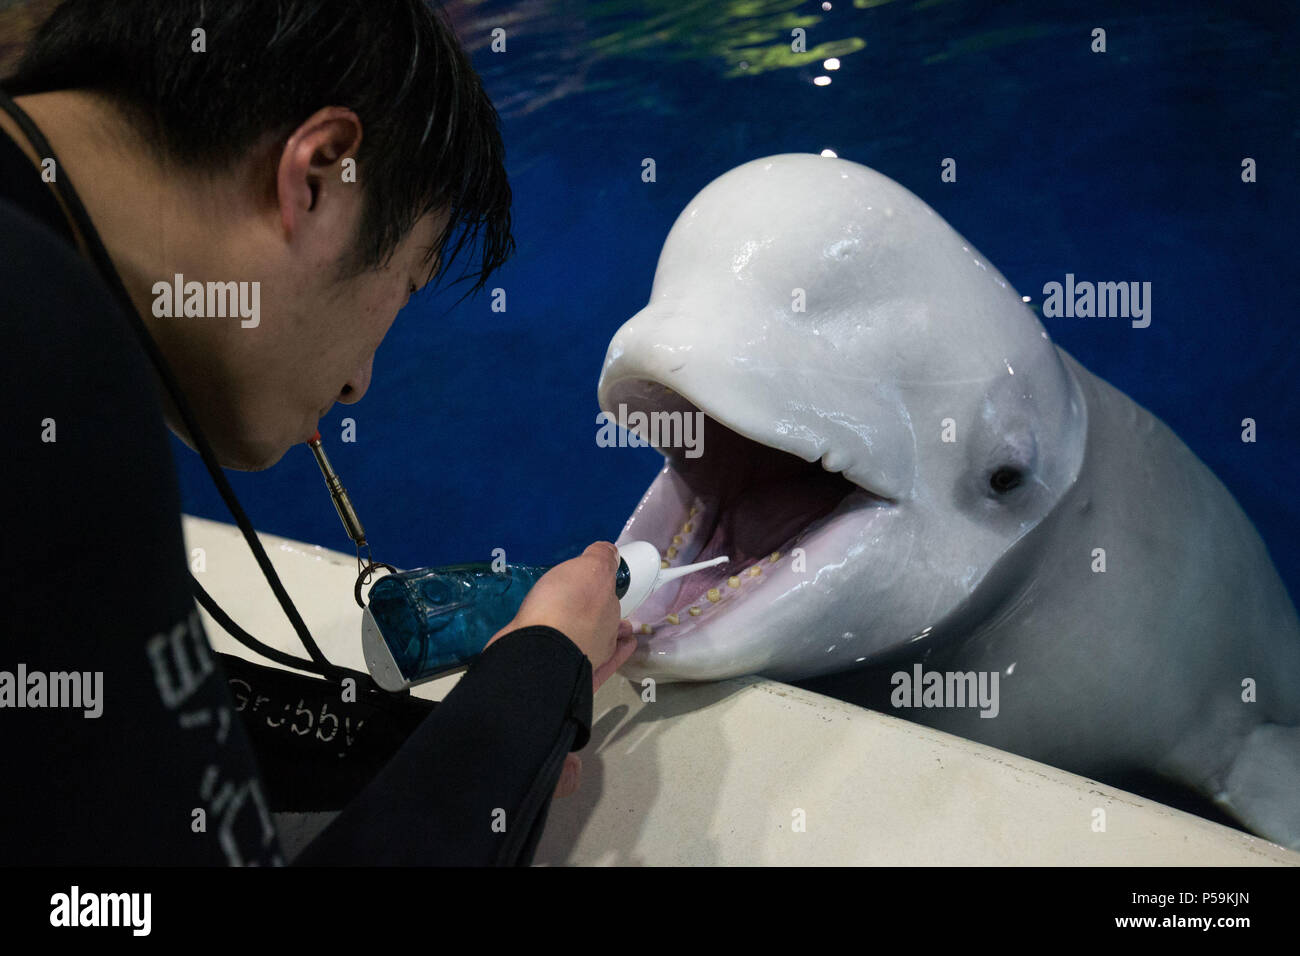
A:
x,y
934,511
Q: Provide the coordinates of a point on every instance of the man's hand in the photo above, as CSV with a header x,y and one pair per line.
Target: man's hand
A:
x,y
577,599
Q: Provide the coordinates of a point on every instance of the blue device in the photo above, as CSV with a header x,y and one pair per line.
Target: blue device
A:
x,y
425,623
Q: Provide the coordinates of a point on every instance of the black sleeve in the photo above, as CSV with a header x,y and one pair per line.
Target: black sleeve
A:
x,y
473,783
118,735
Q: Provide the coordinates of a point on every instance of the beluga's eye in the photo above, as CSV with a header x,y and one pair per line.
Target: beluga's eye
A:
x,y
1006,478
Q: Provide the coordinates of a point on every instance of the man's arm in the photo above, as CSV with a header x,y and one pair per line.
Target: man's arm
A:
x,y
472,784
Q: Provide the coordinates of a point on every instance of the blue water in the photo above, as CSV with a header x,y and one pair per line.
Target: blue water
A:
x,y
479,429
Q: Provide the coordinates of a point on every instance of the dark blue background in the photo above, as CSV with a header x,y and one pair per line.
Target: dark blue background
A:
x,y
479,429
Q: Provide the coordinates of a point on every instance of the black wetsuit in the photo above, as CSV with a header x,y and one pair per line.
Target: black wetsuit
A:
x,y
95,580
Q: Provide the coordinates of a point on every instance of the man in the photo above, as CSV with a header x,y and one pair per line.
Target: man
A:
x,y
321,156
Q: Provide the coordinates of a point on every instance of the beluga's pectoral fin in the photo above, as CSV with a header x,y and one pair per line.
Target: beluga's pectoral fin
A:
x,y
1263,787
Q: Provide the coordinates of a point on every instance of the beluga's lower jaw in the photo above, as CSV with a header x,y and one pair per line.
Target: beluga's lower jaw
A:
x,y
905,469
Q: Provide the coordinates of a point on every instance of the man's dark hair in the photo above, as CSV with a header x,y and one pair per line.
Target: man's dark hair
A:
x,y
430,138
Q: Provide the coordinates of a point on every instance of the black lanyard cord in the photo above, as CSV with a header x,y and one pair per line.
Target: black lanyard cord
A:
x,y
99,255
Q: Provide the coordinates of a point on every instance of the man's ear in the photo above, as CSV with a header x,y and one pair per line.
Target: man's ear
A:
x,y
310,172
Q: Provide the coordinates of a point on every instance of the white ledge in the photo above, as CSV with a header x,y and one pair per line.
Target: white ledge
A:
x,y
714,773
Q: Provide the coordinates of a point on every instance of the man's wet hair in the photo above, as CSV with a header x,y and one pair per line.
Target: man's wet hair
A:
x,y
430,137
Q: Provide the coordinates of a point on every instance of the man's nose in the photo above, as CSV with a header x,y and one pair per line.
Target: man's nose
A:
x,y
356,386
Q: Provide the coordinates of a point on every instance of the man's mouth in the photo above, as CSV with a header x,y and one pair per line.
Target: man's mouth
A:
x,y
769,511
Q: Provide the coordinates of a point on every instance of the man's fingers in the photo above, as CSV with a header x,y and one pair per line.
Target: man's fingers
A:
x,y
570,776
622,651
605,551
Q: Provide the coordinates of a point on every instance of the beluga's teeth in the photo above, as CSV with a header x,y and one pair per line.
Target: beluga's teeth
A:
x,y
714,595
673,619
733,582
695,610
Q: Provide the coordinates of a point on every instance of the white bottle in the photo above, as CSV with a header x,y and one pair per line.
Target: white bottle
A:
x,y
640,574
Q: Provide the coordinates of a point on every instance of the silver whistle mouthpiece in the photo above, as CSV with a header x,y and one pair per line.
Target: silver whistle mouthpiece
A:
x,y
342,504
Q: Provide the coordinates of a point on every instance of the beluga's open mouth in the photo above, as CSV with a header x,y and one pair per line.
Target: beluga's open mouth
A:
x,y
771,512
